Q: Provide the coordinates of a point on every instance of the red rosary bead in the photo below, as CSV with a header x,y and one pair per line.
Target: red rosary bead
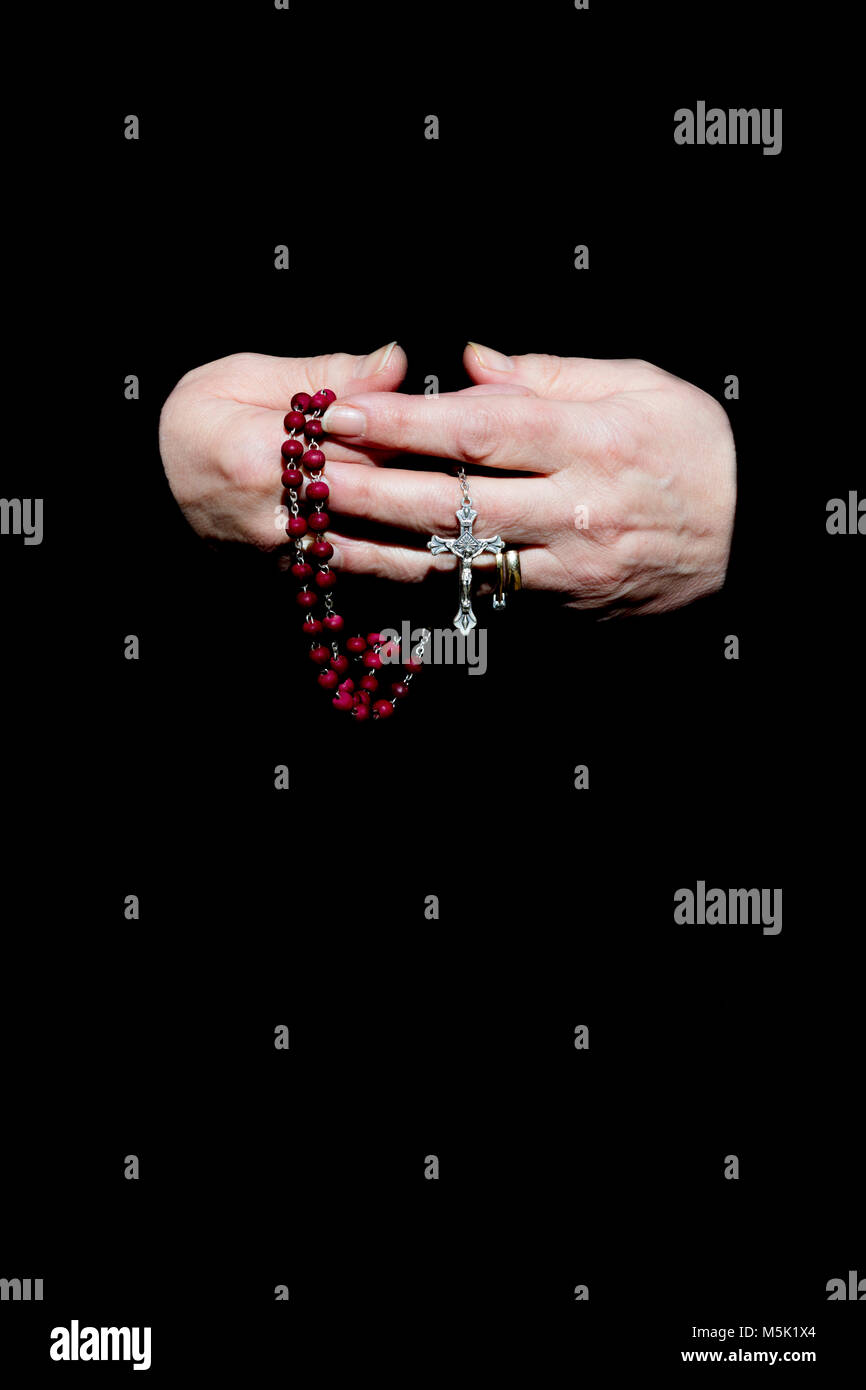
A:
x,y
333,666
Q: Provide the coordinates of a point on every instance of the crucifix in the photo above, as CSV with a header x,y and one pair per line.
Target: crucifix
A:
x,y
466,547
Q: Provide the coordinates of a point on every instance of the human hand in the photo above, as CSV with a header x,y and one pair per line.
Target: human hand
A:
x,y
627,499
221,428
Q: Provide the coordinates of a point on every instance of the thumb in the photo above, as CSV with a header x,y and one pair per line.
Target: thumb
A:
x,y
558,378
382,370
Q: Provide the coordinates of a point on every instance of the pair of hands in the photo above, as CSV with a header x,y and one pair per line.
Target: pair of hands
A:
x,y
625,488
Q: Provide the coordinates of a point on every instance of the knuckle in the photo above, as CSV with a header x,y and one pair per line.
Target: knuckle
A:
x,y
443,509
357,500
514,513
476,435
391,421
548,368
404,567
616,436
639,426
541,421
331,362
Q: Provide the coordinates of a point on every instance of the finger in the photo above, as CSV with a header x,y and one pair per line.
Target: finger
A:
x,y
517,432
258,432
252,436
406,565
491,389
518,509
560,378
272,381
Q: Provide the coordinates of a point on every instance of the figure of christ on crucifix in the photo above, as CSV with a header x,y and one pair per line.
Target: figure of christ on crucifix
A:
x,y
466,547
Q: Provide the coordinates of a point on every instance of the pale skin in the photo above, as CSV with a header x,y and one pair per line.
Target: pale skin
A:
x,y
623,503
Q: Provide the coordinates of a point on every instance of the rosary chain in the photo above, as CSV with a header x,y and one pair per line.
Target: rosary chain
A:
x,y
324,568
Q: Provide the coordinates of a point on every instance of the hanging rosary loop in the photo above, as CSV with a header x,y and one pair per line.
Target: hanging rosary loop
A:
x,y
360,695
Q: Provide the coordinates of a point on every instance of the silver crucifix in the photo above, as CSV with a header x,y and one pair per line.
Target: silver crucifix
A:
x,y
466,547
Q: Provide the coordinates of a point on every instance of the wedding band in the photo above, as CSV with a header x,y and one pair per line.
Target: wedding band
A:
x,y
499,596
514,578
508,576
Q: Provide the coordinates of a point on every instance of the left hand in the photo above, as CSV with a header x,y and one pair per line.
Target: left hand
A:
x,y
627,503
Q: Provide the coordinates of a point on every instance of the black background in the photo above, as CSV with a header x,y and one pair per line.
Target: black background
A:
x,y
155,777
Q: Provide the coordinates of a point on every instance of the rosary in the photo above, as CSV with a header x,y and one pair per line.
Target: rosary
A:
x,y
304,427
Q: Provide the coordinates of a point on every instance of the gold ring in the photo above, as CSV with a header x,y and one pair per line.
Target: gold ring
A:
x,y
499,596
508,576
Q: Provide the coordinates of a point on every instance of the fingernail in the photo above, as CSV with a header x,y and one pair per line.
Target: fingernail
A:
x,y
343,419
377,361
488,357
